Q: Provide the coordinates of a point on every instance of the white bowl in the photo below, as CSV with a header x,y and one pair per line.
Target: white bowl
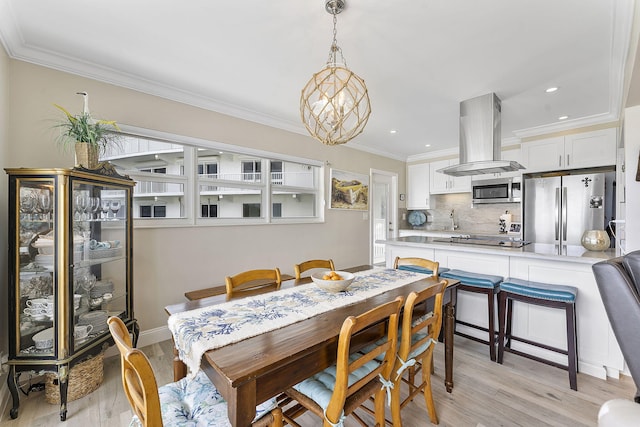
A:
x,y
333,285
45,250
43,339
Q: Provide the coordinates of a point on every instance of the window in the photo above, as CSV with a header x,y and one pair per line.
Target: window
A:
x,y
251,170
159,211
251,210
208,169
209,211
149,211
181,181
276,172
276,210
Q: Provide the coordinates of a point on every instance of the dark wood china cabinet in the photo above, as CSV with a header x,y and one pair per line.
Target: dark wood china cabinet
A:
x,y
70,267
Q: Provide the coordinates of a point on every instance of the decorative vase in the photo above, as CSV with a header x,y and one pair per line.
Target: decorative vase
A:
x,y
595,240
86,155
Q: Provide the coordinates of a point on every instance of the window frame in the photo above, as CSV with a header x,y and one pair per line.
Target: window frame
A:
x,y
190,181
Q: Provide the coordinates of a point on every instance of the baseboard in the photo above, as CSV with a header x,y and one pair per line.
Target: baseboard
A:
x,y
151,336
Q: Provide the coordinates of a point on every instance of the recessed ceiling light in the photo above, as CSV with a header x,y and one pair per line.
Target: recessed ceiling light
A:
x,y
551,89
427,145
393,131
563,117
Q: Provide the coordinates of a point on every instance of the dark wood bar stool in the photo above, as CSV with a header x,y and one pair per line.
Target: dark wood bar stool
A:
x,y
480,284
546,295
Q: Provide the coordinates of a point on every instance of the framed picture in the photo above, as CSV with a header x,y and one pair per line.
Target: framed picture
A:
x,y
349,190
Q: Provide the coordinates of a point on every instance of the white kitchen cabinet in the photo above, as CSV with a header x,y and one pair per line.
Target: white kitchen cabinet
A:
x,y
418,186
440,183
599,354
581,150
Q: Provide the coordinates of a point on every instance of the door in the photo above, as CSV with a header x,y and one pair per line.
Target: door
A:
x,y
383,212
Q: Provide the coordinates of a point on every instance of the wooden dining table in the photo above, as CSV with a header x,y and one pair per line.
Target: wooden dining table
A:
x,y
258,368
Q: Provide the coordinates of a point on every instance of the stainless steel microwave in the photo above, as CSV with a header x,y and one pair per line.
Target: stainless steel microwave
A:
x,y
499,190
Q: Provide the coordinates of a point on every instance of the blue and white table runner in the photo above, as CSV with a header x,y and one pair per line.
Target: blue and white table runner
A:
x,y
207,328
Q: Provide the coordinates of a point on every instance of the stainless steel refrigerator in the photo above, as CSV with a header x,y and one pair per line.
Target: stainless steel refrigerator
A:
x,y
558,209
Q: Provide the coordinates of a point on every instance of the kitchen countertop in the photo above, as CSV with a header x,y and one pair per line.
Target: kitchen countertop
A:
x,y
571,253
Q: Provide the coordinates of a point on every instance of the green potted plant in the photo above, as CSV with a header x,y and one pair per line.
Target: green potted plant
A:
x,y
88,136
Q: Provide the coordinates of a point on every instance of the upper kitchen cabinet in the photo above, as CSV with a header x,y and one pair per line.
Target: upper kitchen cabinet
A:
x,y
418,186
576,151
440,183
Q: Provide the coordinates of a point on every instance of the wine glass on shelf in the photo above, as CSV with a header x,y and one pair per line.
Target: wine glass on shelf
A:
x,y
27,205
115,207
44,205
95,207
81,205
104,206
88,281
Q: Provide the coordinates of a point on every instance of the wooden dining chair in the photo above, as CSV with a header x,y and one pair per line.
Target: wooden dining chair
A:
x,y
340,389
419,265
415,349
186,402
252,282
311,264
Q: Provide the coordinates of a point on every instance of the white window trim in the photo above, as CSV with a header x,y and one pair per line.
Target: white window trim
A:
x,y
191,182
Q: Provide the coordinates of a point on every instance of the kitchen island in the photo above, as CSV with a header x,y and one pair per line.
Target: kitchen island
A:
x,y
598,352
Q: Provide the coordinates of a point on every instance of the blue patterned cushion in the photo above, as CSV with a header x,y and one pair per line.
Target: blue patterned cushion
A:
x,y
539,290
473,279
197,403
320,386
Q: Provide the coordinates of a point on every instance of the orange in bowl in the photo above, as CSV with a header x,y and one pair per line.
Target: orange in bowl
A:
x,y
333,281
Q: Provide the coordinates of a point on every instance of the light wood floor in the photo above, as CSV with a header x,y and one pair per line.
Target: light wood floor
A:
x,y
519,393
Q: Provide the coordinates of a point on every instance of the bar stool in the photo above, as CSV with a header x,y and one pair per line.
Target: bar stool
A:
x,y
546,295
480,284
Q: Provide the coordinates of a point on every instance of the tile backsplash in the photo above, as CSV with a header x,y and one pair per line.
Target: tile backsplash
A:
x,y
470,218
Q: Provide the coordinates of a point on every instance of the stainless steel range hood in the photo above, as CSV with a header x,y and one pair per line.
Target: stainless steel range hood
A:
x,y
481,139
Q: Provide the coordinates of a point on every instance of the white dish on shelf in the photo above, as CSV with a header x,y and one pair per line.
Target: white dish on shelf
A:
x,y
44,339
93,316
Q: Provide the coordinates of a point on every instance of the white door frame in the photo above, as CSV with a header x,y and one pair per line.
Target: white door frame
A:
x,y
393,207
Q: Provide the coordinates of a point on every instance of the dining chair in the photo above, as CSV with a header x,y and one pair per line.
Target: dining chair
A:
x,y
311,264
186,402
339,390
252,282
418,336
419,265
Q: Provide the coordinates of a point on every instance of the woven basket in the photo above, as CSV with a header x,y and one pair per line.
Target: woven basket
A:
x,y
86,155
84,378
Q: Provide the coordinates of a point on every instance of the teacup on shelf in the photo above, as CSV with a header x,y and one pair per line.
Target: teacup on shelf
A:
x,y
81,332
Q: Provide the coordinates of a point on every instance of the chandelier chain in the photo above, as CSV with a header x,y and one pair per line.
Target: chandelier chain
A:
x,y
333,60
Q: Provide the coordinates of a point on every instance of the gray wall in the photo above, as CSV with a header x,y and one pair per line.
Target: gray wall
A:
x,y
170,261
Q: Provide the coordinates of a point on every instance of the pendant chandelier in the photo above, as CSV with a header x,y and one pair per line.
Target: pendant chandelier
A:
x,y
334,104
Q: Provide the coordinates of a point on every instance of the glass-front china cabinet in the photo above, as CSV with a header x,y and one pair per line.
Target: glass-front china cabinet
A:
x,y
70,268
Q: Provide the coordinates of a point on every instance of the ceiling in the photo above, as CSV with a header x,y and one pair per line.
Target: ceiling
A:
x,y
419,58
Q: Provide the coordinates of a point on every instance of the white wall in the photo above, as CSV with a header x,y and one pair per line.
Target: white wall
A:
x,y
632,187
170,261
